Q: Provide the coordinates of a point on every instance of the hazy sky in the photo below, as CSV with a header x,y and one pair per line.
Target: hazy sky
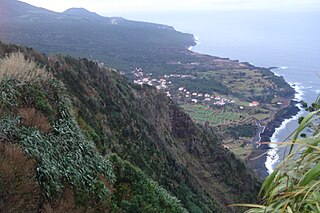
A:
x,y
114,7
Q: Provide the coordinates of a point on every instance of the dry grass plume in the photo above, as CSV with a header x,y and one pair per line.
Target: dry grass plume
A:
x,y
17,66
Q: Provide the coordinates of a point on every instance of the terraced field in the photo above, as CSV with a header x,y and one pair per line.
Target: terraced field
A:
x,y
215,117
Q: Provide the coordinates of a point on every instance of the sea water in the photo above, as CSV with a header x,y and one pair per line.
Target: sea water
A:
x,y
289,40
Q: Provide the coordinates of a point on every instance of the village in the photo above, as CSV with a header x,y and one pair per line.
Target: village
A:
x,y
182,94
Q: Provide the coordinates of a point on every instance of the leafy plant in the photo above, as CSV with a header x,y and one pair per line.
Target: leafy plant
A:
x,y
135,192
63,154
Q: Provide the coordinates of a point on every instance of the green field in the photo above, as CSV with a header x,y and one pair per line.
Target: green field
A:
x,y
202,114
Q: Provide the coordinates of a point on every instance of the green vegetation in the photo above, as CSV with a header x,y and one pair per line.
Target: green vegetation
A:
x,y
137,193
247,130
198,84
248,84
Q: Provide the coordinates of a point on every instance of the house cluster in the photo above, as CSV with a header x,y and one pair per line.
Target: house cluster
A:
x,y
161,83
178,76
182,93
196,97
143,78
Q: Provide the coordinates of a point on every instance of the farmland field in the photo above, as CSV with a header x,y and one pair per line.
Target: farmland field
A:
x,y
215,117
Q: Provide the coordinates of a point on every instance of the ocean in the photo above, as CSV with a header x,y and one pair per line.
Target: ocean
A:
x,y
288,40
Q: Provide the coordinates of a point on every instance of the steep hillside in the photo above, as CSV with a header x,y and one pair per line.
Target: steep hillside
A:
x,y
47,163
137,123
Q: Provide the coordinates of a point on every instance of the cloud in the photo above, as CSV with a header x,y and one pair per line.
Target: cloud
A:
x,y
120,6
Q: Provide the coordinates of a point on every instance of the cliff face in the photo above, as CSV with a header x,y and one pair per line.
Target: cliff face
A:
x,y
144,127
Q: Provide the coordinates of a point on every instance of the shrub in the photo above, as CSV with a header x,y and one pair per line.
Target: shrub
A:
x,y
32,118
19,191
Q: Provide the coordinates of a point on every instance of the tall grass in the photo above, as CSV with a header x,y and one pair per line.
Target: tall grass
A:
x,y
294,186
15,65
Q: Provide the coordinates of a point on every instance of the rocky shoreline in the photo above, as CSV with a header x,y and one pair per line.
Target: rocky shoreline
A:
x,y
256,163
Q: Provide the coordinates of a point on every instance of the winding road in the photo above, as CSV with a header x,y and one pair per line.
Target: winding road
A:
x,y
257,138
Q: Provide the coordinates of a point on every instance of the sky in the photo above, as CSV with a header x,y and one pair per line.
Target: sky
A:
x,y
119,7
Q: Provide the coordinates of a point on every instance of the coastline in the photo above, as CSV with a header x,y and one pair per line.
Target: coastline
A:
x,y
274,154
258,158
260,155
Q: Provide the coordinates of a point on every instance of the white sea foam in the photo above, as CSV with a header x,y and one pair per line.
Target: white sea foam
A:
x,y
283,68
279,69
299,91
273,156
196,39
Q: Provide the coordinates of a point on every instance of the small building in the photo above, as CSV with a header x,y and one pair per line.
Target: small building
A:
x,y
254,104
145,79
